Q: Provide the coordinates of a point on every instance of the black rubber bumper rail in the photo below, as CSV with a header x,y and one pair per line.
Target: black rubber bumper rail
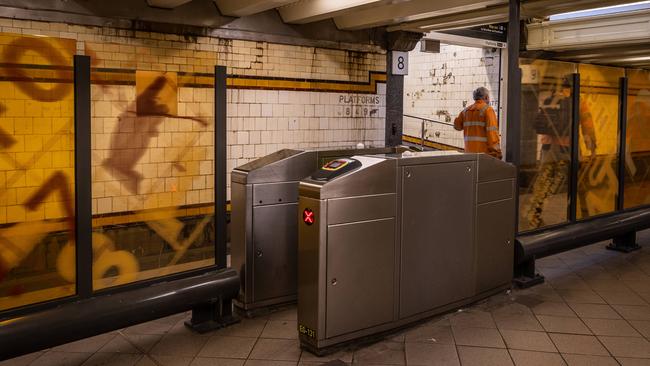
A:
x,y
557,240
208,295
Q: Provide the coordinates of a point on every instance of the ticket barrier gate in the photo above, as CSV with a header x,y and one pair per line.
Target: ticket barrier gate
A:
x,y
397,238
264,232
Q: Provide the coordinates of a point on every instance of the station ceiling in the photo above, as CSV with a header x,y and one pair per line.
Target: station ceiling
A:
x,y
412,15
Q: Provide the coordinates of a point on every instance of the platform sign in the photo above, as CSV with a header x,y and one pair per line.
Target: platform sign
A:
x,y
400,63
490,32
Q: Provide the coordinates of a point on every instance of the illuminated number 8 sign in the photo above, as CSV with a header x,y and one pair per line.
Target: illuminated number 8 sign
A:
x,y
308,216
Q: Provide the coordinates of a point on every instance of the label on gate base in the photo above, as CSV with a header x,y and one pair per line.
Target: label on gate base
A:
x,y
306,331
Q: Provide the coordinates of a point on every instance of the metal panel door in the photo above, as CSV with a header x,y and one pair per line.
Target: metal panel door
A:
x,y
360,273
275,248
437,261
495,244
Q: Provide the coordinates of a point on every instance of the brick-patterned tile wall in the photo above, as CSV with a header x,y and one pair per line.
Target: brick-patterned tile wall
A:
x,y
440,85
259,121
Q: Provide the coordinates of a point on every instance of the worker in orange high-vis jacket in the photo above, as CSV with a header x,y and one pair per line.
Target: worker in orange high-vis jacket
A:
x,y
479,125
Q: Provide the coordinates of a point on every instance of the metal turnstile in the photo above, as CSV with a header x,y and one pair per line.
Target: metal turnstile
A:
x,y
264,233
399,238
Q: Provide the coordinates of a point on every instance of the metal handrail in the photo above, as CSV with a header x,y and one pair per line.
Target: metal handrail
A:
x,y
430,120
423,130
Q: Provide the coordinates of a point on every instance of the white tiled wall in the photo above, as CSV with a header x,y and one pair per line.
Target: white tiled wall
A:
x,y
440,85
263,121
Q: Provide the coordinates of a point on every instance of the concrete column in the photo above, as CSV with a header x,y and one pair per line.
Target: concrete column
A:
x,y
394,104
396,41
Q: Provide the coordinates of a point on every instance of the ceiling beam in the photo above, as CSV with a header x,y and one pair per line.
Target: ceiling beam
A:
x,y
166,4
405,11
306,11
241,8
462,20
499,13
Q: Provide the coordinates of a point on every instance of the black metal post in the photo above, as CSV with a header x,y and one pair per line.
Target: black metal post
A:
x,y
394,104
513,114
627,242
622,147
220,120
575,148
83,194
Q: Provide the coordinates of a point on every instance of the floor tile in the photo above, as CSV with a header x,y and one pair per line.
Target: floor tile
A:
x,y
22,360
161,360
92,344
180,345
143,342
531,358
228,347
478,337
205,361
569,282
431,354
642,326
579,344
472,319
554,308
598,311
626,361
627,346
344,355
558,324
581,296
269,363
285,329
56,358
276,350
633,312
430,334
528,341
245,328
627,297
159,326
518,322
588,360
611,327
286,314
389,353
119,344
476,356
113,359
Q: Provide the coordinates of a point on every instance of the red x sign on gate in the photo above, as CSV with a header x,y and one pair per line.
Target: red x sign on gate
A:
x,y
308,216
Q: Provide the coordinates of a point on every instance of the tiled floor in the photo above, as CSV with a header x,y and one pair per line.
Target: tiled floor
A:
x,y
593,310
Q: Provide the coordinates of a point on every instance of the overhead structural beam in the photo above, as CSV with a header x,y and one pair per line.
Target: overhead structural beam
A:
x,y
467,19
494,14
592,32
167,4
306,11
241,8
408,11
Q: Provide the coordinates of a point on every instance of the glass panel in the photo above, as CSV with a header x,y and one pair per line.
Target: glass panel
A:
x,y
152,156
37,244
597,175
546,115
637,152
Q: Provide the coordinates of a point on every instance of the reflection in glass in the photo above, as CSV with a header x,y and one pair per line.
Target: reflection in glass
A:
x,y
637,152
153,193
598,153
546,143
37,243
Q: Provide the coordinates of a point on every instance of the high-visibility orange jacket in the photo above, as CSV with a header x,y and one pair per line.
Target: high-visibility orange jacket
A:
x,y
480,128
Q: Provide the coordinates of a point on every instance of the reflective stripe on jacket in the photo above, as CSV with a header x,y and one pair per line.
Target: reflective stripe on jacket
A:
x,y
480,128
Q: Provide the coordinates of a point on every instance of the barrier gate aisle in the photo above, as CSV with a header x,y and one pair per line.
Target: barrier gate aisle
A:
x,y
389,239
